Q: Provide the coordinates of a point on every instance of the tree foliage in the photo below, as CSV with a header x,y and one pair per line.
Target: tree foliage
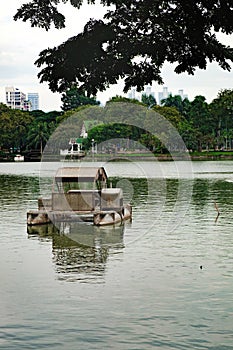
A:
x,y
14,124
38,135
21,130
201,125
221,110
222,107
133,41
47,117
121,99
149,101
173,101
72,99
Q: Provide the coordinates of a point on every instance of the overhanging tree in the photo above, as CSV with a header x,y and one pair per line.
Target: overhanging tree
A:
x,y
133,41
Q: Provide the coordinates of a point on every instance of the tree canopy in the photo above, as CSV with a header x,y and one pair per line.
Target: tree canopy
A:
x,y
21,131
14,124
202,126
72,99
133,41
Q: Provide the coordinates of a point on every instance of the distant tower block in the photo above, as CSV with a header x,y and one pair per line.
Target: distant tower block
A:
x,y
33,97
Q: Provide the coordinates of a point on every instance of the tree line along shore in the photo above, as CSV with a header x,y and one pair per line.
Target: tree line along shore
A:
x,y
206,128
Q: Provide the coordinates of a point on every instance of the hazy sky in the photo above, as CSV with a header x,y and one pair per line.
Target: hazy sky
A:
x,y
20,45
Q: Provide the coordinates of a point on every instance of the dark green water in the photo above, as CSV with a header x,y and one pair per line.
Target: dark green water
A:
x,y
137,286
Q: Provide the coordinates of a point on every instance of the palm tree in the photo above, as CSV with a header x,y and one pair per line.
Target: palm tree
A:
x,y
173,101
38,135
150,100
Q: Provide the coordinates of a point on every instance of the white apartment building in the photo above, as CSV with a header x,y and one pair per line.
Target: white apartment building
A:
x,y
15,98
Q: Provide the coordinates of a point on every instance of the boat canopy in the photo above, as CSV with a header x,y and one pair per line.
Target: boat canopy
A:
x,y
81,174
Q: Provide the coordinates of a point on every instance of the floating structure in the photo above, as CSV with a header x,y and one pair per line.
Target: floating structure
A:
x,y
75,150
81,194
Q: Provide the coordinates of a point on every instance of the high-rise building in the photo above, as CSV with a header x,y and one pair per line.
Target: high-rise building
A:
x,y
15,98
147,91
132,93
33,97
163,95
181,94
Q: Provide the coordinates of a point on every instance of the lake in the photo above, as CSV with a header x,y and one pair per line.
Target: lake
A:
x,y
162,281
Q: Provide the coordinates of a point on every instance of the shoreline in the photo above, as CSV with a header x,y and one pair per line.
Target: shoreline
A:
x,y
119,157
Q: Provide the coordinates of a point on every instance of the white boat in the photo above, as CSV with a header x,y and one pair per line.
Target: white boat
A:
x,y
19,158
81,194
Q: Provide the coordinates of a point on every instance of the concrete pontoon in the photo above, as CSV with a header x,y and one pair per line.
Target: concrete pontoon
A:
x,y
81,194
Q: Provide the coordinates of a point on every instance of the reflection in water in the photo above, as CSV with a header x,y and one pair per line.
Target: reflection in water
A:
x,y
15,189
135,189
211,193
80,250
201,192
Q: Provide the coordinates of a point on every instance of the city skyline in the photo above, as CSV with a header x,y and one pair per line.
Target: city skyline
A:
x,y
158,95
17,99
17,59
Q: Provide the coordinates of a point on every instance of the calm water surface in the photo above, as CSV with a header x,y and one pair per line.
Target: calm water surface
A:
x,y
138,286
